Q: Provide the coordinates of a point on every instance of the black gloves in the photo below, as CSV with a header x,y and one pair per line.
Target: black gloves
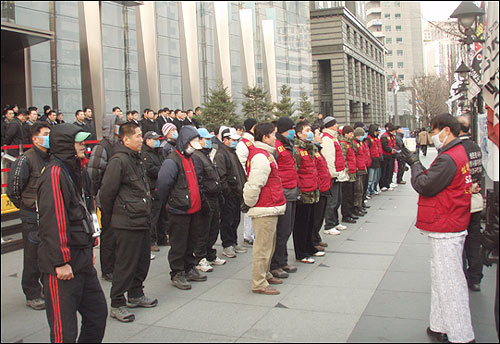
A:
x,y
410,158
245,208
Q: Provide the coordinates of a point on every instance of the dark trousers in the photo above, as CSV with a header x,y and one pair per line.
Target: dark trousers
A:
x,y
358,191
387,171
332,206
319,216
401,169
347,199
156,226
30,281
107,246
473,266
82,294
302,231
184,233
133,249
230,220
207,236
283,231
365,185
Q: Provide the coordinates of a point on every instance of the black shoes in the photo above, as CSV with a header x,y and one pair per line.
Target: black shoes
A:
x,y
438,336
348,220
108,277
195,276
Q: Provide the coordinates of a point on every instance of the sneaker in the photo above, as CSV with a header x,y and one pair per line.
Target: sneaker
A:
x,y
319,248
155,248
323,244
142,301
319,254
279,273
383,189
307,260
152,256
122,314
239,249
180,281
36,304
393,185
248,242
218,261
332,231
290,269
229,252
368,197
341,227
204,266
390,189
267,291
195,276
108,277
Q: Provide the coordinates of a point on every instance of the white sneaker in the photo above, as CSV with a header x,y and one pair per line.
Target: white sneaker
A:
x,y
204,266
152,256
319,254
341,227
332,231
384,189
390,189
368,197
393,185
218,261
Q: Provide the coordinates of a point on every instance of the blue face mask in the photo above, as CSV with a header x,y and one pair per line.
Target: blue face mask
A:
x,y
234,144
45,142
364,136
208,144
175,135
156,143
291,134
310,136
117,129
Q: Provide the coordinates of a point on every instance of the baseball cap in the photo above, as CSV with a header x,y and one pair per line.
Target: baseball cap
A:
x,y
82,136
204,133
151,135
231,133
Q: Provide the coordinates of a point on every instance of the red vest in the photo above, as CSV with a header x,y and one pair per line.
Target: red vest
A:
x,y
308,175
324,179
286,167
374,148
271,194
351,158
360,156
367,153
339,157
390,140
449,210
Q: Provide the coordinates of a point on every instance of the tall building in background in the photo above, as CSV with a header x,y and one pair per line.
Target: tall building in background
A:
x,y
138,54
348,63
398,24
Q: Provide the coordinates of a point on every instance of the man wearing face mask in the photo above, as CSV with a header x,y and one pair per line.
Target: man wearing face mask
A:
x,y
24,177
170,133
232,178
98,162
290,181
177,185
152,157
444,205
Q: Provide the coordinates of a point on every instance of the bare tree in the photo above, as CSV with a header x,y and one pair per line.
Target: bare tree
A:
x,y
432,92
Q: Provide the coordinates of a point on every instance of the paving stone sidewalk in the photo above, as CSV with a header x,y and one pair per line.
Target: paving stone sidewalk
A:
x,y
373,285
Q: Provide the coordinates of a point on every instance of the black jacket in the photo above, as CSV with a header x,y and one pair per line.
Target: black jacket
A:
x,y
148,125
178,123
230,171
125,194
475,158
63,211
14,135
90,123
208,178
152,158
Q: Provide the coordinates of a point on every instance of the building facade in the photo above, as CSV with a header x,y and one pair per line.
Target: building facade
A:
x,y
348,64
138,54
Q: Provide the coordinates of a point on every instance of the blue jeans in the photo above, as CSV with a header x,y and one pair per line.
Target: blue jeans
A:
x,y
373,180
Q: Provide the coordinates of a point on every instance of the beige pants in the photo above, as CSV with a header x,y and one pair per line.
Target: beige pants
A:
x,y
263,249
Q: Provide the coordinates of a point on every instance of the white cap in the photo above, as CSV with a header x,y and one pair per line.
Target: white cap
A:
x,y
231,133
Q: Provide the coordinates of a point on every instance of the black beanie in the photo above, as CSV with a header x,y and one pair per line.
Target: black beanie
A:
x,y
249,123
284,123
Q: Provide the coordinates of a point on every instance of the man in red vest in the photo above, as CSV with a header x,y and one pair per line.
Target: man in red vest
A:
x,y
444,211
388,142
263,194
349,151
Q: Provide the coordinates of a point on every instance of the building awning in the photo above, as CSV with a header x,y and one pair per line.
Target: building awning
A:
x,y
16,37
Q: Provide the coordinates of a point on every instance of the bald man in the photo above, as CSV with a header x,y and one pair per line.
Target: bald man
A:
x,y
473,267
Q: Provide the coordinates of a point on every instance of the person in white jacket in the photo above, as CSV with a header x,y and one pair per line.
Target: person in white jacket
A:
x,y
332,152
242,150
264,198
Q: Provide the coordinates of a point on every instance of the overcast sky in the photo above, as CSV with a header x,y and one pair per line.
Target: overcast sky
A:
x,y
438,10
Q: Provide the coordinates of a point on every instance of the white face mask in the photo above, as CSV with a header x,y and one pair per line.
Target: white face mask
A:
x,y
437,143
190,150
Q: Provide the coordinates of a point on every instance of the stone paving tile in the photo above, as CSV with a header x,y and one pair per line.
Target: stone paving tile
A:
x,y
406,281
415,250
358,262
406,263
289,325
399,304
370,234
345,278
363,247
172,335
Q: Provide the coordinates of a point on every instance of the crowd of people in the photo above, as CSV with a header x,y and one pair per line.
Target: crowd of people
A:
x,y
166,180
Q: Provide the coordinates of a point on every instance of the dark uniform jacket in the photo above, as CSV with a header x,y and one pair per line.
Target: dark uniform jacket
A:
x,y
125,194
148,125
64,206
152,158
230,171
475,158
14,135
208,178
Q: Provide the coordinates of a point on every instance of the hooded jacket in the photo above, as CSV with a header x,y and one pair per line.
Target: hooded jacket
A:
x,y
152,158
373,146
230,171
243,148
125,193
177,183
64,202
330,146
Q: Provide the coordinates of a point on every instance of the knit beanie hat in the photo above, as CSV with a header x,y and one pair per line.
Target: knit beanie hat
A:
x,y
249,123
358,132
329,121
284,123
167,127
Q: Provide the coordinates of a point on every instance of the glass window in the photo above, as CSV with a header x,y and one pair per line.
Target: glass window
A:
x,y
399,40
387,16
388,28
400,52
390,65
68,52
398,27
397,15
400,64
389,53
68,76
40,74
397,3
388,40
401,76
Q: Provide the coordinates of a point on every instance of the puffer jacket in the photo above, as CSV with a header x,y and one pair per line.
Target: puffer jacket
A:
x,y
152,158
329,154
